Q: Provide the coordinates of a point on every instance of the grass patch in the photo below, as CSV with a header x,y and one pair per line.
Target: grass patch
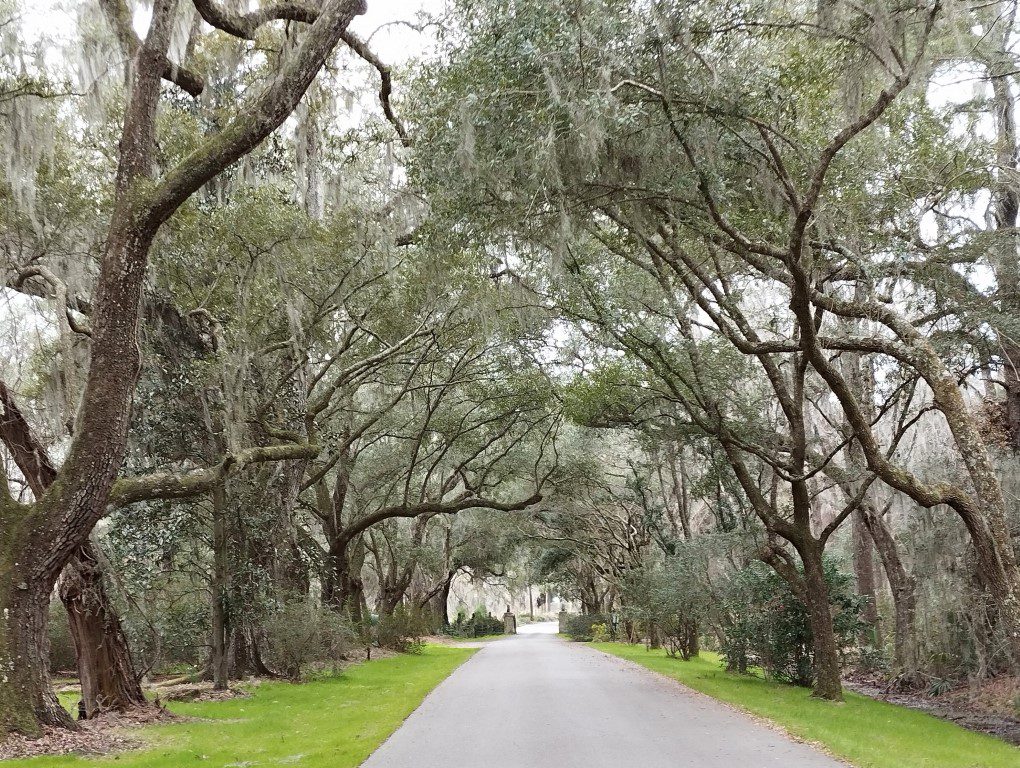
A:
x,y
868,733
331,723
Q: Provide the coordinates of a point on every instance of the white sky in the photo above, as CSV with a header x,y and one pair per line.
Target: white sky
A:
x,y
54,20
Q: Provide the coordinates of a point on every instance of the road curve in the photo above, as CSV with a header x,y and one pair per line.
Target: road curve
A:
x,y
537,701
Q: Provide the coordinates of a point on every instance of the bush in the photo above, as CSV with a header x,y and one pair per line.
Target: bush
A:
x,y
480,623
582,628
600,633
302,633
670,601
769,626
402,630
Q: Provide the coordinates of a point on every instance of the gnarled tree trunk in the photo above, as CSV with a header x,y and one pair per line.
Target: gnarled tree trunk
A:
x,y
37,540
107,673
827,683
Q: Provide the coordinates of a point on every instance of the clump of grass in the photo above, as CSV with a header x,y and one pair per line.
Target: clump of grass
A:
x,y
330,723
868,733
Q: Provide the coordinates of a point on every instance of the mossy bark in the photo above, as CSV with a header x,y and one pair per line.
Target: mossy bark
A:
x,y
826,666
27,701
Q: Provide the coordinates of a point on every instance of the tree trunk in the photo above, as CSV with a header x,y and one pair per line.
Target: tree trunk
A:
x,y
219,589
827,683
105,668
104,660
654,641
346,590
902,586
864,576
1005,208
36,541
441,602
27,701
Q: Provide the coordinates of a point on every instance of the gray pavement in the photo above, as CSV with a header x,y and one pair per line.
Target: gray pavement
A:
x,y
537,701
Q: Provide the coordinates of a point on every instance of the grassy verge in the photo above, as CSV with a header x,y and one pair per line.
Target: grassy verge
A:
x,y
868,733
333,723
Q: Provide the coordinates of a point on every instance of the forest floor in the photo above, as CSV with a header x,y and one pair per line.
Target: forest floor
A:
x,y
989,707
866,732
334,722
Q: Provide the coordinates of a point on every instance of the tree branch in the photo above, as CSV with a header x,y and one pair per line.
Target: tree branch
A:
x,y
117,14
182,485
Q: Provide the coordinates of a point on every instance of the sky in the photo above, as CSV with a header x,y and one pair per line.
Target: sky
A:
x,y
52,25
393,43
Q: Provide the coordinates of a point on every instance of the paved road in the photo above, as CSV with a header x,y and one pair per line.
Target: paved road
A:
x,y
536,701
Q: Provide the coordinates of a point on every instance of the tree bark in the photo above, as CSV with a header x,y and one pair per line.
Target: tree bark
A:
x,y
864,576
106,672
441,602
1005,209
903,590
220,592
105,667
27,701
49,532
827,684
345,590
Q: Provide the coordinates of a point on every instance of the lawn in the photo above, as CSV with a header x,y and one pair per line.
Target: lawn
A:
x,y
868,733
331,723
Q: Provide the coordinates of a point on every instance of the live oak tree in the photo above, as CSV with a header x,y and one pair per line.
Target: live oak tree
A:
x,y
38,539
716,145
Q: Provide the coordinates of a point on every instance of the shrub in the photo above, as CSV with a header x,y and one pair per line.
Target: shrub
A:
x,y
582,628
670,601
402,630
770,628
480,623
600,633
302,633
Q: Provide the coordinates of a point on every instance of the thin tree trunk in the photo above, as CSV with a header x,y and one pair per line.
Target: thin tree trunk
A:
x,y
864,576
219,597
903,590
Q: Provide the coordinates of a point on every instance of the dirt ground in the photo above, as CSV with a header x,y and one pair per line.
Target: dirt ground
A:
x,y
109,732
990,707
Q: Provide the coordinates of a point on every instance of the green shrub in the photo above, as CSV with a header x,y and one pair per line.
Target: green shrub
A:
x,y
600,633
480,623
582,627
302,633
669,601
402,630
769,626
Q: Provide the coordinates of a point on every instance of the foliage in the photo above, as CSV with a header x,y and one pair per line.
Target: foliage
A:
x,y
671,599
768,626
302,633
582,627
479,624
402,630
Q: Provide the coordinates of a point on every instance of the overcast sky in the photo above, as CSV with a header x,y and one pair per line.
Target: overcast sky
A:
x,y
394,43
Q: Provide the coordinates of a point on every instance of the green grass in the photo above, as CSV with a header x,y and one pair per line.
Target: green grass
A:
x,y
868,733
331,723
